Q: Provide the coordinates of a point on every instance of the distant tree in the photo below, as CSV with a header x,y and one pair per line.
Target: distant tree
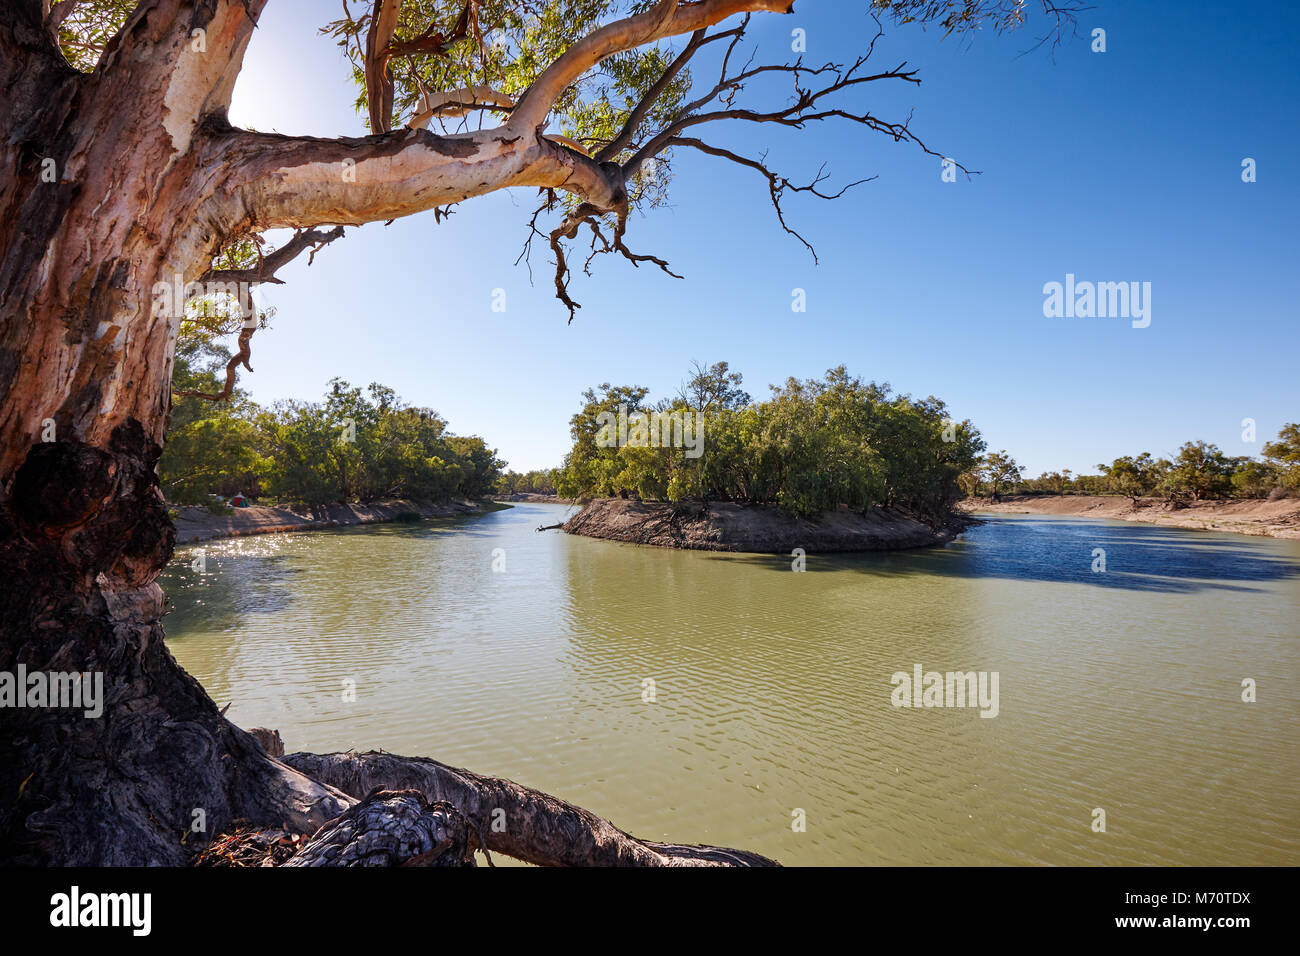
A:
x,y
1000,469
354,446
538,482
715,388
1199,472
1284,453
590,467
210,447
1255,479
1133,477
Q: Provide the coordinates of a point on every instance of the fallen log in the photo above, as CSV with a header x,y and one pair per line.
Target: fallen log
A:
x,y
508,818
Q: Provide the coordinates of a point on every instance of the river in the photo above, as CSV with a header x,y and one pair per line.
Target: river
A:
x,y
725,698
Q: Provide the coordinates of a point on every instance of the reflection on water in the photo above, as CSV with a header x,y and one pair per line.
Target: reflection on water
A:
x,y
1118,690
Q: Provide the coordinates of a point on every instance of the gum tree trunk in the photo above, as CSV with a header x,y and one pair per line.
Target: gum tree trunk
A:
x,y
96,205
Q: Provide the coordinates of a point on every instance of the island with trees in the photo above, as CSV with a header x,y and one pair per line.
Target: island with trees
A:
x,y
831,464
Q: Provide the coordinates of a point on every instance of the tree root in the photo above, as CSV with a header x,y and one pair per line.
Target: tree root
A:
x,y
392,828
511,819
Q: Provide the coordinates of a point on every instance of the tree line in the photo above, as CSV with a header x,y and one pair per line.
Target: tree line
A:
x,y
812,446
540,481
1199,471
353,445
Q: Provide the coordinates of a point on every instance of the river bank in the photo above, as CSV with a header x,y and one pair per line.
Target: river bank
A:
x,y
752,528
1273,519
533,498
197,523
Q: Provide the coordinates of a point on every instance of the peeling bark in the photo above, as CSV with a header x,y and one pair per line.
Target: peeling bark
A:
x,y
391,828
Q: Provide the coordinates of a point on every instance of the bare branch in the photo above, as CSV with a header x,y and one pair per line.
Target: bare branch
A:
x,y
777,184
433,41
525,255
802,110
239,358
264,271
589,214
636,259
267,266
562,276
567,230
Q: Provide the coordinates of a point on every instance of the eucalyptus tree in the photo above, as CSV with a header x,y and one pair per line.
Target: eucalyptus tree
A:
x,y
1284,454
123,183
999,470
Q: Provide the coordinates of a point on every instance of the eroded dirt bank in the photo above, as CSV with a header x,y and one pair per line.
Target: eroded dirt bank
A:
x,y
196,523
732,527
530,496
1274,519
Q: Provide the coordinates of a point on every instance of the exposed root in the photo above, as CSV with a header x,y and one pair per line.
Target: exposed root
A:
x,y
514,820
391,828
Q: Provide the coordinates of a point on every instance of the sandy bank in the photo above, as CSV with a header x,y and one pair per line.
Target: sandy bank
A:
x,y
196,523
764,530
1274,519
533,497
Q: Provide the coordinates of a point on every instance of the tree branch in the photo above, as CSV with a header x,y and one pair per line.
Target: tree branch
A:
x,y
665,18
269,265
432,41
638,114
795,115
58,13
589,214
458,103
285,181
239,358
379,81
777,184
264,271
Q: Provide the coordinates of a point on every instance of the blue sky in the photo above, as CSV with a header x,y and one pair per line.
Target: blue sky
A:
x,y
1115,166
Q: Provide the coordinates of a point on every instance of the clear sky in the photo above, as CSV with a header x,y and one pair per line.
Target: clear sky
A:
x,y
1115,166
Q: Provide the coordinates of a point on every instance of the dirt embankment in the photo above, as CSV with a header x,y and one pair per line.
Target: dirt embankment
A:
x,y
530,496
1274,519
731,527
197,523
